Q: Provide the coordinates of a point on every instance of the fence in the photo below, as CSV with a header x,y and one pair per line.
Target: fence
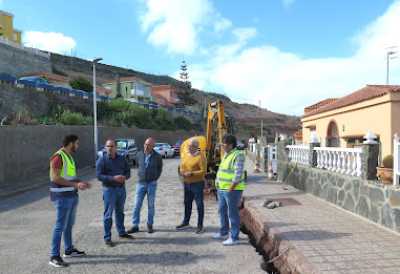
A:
x,y
340,160
299,154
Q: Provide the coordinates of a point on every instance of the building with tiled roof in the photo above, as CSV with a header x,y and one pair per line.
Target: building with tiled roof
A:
x,y
165,94
344,121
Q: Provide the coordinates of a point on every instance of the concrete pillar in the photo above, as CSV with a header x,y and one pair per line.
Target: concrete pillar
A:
x,y
282,158
313,154
369,160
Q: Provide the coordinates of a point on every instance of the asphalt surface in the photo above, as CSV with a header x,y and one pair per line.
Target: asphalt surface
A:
x,y
26,222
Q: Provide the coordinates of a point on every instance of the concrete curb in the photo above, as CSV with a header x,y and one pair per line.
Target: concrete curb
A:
x,y
39,182
284,256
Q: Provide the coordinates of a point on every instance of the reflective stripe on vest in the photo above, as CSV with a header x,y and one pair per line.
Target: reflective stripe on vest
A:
x,y
226,172
68,172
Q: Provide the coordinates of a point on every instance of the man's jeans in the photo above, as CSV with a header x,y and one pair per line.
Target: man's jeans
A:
x,y
228,208
194,191
65,219
143,188
114,199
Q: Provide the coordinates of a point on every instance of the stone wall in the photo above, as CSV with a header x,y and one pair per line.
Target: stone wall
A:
x,y
17,60
26,149
367,198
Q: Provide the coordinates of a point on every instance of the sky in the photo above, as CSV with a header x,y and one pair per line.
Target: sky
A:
x,y
286,54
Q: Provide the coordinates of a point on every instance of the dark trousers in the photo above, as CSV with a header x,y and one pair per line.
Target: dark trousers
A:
x,y
194,191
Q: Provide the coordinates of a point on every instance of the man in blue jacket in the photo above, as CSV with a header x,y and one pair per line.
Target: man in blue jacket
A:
x,y
149,170
113,170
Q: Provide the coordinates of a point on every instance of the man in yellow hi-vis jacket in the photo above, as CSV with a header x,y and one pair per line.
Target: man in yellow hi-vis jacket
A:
x,y
230,183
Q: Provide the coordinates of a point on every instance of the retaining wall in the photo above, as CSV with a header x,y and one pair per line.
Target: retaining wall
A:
x,y
26,149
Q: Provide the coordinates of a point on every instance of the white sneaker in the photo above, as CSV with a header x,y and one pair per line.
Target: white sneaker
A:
x,y
218,236
230,241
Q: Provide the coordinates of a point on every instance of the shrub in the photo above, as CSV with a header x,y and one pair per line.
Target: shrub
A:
x,y
82,84
163,120
183,123
388,161
74,118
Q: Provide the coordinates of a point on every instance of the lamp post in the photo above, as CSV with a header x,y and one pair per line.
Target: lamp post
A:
x,y
389,55
95,137
262,124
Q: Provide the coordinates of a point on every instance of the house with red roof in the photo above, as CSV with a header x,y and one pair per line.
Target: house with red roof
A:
x,y
342,122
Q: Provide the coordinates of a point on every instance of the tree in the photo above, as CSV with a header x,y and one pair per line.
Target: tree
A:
x,y
81,83
184,75
183,123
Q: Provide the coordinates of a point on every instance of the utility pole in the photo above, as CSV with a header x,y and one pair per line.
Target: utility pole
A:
x,y
95,137
262,123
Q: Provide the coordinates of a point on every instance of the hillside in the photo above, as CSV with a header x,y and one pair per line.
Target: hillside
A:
x,y
247,116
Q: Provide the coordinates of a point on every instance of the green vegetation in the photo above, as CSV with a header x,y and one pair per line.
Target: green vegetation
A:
x,y
388,161
116,113
81,84
119,112
74,118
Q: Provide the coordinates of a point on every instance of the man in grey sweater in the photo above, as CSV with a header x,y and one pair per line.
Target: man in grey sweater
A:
x,y
149,170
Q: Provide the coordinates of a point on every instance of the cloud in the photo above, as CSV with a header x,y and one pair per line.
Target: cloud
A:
x,y
222,24
176,24
286,82
49,41
288,3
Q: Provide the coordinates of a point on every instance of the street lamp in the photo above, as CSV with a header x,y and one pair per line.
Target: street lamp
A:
x,y
389,55
95,137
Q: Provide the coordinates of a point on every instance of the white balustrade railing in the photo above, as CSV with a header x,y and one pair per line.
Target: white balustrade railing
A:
x,y
341,160
299,154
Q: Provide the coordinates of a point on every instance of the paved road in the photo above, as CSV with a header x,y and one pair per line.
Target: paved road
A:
x,y
26,222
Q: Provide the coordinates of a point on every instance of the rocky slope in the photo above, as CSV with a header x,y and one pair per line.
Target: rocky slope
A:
x,y
247,117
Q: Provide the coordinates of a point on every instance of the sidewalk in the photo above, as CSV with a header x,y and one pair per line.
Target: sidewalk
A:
x,y
313,236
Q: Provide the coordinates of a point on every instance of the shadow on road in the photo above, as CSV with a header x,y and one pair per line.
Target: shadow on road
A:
x,y
166,258
38,191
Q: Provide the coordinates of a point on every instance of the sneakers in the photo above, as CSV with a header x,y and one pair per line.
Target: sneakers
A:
x,y
219,236
126,236
199,230
133,229
74,253
57,261
109,243
150,229
230,241
182,226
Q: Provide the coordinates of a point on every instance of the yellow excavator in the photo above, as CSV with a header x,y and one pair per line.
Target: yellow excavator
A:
x,y
217,125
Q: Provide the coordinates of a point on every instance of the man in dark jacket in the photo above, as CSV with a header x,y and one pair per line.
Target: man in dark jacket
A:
x,y
149,170
113,170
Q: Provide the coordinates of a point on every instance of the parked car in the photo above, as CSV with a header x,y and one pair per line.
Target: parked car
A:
x,y
126,148
165,150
